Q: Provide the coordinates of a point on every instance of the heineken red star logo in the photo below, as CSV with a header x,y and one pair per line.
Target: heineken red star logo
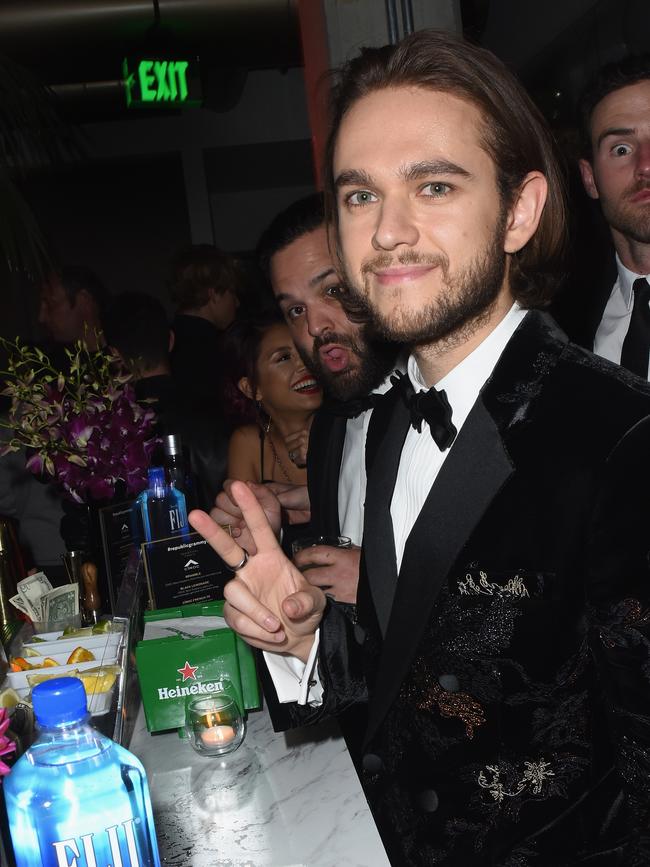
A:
x,y
188,671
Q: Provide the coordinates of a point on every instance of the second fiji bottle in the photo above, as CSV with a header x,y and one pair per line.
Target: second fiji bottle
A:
x,y
164,512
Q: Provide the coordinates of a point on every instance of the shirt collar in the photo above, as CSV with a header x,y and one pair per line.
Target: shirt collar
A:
x,y
463,383
400,367
626,280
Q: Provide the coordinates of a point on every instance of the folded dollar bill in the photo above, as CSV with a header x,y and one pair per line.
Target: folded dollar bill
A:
x,y
31,590
18,602
61,603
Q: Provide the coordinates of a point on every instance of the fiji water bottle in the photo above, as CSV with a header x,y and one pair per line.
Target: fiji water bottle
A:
x,y
75,798
177,469
164,512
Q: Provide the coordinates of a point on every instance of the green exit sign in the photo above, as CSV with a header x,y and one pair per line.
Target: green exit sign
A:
x,y
162,83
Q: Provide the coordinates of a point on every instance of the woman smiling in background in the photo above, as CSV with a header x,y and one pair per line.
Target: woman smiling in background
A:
x,y
272,398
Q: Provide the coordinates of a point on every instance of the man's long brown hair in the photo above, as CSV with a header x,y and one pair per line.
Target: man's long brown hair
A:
x,y
515,135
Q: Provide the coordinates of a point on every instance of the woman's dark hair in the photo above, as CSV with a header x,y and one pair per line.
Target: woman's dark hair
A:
x,y
241,349
515,134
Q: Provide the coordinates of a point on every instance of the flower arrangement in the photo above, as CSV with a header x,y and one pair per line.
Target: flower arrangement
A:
x,y
82,427
6,744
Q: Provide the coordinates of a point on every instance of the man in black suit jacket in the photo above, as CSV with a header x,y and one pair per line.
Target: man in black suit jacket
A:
x,y
503,634
294,253
615,124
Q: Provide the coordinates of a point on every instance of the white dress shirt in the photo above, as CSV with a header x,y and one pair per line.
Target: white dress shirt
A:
x,y
419,466
616,317
352,475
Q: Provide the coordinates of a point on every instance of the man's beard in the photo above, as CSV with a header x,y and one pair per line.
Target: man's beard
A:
x,y
632,222
374,361
463,301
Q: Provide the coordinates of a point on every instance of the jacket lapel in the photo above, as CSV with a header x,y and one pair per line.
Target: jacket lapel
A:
x,y
326,441
472,474
475,470
386,433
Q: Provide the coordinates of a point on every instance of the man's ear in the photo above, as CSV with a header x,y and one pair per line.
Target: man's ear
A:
x,y
526,211
245,387
588,182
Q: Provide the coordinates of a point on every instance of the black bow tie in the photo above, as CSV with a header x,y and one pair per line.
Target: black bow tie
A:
x,y
353,408
431,406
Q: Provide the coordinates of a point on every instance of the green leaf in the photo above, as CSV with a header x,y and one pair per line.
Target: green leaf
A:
x,y
78,460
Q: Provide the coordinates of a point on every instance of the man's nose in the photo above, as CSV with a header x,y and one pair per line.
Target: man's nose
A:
x,y
395,225
643,159
319,320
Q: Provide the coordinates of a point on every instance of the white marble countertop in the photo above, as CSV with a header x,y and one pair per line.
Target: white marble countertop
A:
x,y
280,800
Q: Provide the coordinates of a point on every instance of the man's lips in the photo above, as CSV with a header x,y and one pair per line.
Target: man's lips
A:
x,y
401,274
335,358
642,196
306,385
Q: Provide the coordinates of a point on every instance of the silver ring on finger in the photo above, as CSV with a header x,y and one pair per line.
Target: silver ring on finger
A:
x,y
292,457
242,562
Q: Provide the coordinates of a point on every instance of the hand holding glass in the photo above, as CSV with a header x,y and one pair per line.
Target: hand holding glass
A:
x,y
313,542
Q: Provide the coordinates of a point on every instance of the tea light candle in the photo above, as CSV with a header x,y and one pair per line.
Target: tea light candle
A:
x,y
217,736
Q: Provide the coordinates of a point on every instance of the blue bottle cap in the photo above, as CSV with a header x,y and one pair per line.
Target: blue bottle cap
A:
x,y
60,700
156,477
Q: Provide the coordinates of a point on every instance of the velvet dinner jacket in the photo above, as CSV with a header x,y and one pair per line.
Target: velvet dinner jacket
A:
x,y
506,668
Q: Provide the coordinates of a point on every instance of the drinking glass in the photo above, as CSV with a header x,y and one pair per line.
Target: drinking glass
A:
x,y
313,541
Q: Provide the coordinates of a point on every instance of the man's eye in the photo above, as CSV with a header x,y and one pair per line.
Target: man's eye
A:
x,y
360,198
621,150
335,290
436,189
295,311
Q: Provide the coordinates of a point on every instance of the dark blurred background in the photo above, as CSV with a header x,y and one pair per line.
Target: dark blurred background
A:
x,y
119,189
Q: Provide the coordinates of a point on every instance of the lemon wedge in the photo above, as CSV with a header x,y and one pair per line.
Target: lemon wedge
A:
x,y
99,679
9,698
35,679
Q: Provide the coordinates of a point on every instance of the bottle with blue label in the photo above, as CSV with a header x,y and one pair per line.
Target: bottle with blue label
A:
x,y
76,797
163,508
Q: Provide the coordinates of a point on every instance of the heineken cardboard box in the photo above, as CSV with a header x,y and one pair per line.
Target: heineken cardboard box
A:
x,y
190,651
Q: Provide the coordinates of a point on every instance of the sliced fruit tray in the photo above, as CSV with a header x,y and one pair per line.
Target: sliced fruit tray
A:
x,y
59,642
91,656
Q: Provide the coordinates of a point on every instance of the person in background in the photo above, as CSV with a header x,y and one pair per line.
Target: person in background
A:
x,y
615,123
273,396
71,302
205,286
295,255
37,508
136,328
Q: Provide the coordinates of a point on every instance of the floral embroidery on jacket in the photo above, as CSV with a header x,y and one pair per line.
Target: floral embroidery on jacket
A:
x,y
532,778
484,587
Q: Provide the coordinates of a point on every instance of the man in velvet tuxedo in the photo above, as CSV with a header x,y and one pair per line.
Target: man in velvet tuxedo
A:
x,y
502,642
